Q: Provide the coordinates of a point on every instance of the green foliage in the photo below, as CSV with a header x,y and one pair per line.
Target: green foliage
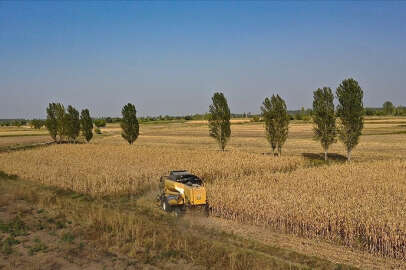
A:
x,y
86,124
268,114
129,123
255,118
68,237
303,114
219,120
16,227
72,123
350,111
51,122
97,131
369,111
299,116
100,123
61,121
388,108
68,124
61,124
400,110
324,118
13,122
205,116
276,119
37,123
18,123
37,247
6,247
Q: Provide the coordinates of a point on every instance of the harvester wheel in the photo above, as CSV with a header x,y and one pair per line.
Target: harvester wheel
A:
x,y
166,206
178,211
207,210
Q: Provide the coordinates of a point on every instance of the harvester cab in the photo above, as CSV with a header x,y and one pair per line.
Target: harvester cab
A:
x,y
180,190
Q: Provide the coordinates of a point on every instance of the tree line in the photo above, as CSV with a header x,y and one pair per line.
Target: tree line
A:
x,y
13,122
387,109
344,122
350,111
66,125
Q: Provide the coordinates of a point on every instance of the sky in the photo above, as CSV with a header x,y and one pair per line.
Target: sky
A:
x,y
170,57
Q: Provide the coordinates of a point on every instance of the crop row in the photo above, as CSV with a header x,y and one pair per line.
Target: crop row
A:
x,y
355,204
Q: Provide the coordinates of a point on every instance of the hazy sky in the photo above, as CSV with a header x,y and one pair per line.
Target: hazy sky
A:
x,y
169,58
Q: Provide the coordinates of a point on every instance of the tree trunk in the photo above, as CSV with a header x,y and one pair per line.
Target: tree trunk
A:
x,y
348,155
221,142
325,155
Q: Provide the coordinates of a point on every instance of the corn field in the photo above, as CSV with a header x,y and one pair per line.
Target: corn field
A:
x,y
115,169
355,204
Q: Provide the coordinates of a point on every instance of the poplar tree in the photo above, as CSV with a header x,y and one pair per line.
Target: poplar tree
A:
x,y
219,120
324,118
388,108
129,123
72,123
51,123
350,111
37,123
60,120
86,124
269,119
276,119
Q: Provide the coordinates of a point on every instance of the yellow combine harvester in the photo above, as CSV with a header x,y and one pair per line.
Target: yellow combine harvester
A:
x,y
180,190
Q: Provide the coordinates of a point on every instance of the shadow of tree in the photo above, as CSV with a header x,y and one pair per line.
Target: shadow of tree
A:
x,y
4,175
320,157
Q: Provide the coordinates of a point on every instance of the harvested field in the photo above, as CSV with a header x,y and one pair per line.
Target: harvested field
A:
x,y
10,142
21,131
379,143
16,137
233,121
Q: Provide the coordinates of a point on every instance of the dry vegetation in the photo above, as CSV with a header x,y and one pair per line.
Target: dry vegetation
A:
x,y
21,131
233,121
49,228
356,204
20,141
359,204
17,137
113,169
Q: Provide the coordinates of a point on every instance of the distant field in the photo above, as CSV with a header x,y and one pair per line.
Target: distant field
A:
x,y
233,121
382,140
15,137
21,141
15,132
